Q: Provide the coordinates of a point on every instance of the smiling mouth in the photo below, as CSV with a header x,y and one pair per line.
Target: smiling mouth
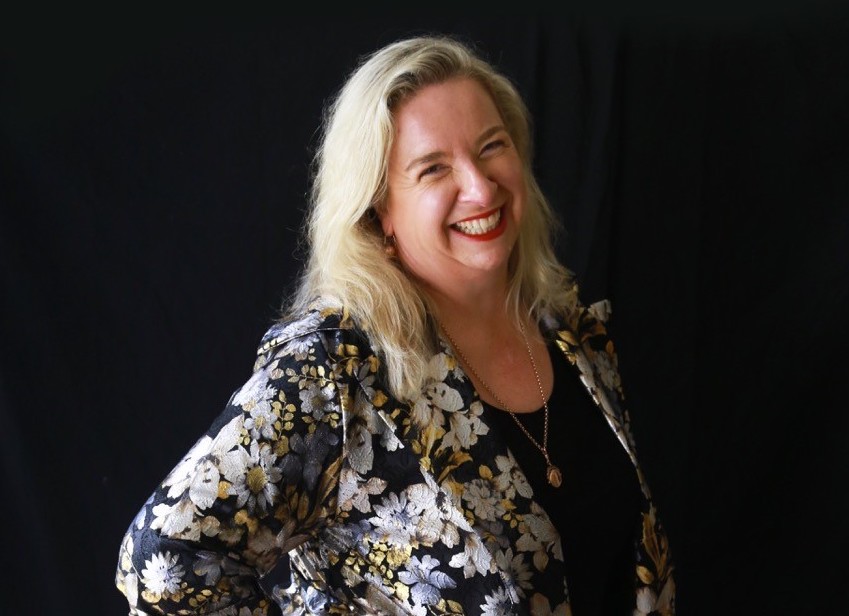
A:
x,y
479,226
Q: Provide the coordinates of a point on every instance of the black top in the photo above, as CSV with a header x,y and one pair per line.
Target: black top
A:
x,y
596,509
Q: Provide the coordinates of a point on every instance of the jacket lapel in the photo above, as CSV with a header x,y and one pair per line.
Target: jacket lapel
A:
x,y
583,340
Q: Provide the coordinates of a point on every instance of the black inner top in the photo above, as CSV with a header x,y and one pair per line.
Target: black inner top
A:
x,y
596,509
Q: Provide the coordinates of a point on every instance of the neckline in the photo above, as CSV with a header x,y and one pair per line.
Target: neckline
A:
x,y
540,409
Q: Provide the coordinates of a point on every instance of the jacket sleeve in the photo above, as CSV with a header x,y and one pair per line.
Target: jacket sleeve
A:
x,y
260,481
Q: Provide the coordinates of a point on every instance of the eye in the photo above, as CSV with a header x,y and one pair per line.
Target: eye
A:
x,y
431,170
494,145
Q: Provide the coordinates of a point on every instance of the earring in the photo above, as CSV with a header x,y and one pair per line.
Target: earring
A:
x,y
389,246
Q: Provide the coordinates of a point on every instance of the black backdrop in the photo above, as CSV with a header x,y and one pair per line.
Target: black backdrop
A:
x,y
153,181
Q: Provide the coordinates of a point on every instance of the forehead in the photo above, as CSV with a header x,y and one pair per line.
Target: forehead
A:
x,y
443,108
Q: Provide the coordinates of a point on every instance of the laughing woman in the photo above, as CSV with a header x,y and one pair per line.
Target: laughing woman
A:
x,y
436,423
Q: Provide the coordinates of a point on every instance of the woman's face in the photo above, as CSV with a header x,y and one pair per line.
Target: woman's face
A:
x,y
456,190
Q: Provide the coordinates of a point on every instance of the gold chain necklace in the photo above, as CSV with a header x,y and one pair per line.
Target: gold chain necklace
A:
x,y
552,473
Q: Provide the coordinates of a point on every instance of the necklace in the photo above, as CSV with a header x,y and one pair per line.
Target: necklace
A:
x,y
552,473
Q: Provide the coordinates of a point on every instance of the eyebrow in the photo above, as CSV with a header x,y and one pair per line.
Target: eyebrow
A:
x,y
431,156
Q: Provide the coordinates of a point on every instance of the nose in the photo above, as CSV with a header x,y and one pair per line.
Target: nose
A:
x,y
475,185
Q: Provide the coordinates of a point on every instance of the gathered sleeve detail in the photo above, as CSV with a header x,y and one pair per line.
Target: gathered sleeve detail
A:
x,y
261,481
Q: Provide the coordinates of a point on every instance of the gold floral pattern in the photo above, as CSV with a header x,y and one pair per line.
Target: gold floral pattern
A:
x,y
316,492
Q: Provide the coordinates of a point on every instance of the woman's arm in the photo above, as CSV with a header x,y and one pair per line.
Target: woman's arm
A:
x,y
253,487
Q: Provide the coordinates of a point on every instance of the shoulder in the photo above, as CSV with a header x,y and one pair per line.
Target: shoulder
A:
x,y
582,320
302,362
318,318
323,332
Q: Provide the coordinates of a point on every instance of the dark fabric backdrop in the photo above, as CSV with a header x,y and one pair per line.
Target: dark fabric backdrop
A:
x,y
153,182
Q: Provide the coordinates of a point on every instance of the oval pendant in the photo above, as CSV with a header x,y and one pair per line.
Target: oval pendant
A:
x,y
555,478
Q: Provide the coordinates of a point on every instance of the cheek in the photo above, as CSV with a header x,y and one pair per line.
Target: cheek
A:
x,y
514,178
519,189
424,215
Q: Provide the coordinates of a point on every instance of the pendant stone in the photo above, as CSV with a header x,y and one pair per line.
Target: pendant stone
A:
x,y
555,478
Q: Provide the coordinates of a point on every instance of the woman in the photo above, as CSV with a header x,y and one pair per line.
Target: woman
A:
x,y
436,425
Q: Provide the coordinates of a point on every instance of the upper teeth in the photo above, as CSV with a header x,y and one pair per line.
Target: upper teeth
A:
x,y
479,226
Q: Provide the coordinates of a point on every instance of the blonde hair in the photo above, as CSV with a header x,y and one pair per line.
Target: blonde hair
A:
x,y
347,265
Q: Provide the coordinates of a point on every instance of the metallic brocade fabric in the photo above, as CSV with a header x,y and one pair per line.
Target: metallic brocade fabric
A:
x,y
316,492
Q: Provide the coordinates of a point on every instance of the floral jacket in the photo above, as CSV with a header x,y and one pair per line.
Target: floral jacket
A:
x,y
316,492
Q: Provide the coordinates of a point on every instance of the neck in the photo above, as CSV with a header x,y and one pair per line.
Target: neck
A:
x,y
479,306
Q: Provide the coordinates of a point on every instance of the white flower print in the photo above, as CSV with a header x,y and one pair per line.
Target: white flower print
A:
x,y
441,518
434,528
498,604
539,537
541,527
260,423
395,520
354,493
518,568
413,547
204,487
126,578
299,347
198,471
423,495
317,399
256,393
474,559
297,329
430,525
427,409
181,477
366,378
482,500
162,575
607,370
439,366
424,582
464,429
425,414
586,370
445,397
131,589
448,503
360,453
141,516
256,482
177,520
511,480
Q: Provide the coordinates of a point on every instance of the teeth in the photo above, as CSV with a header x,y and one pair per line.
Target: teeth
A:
x,y
479,226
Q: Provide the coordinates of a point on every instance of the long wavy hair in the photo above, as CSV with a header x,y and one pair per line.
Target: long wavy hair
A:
x,y
346,263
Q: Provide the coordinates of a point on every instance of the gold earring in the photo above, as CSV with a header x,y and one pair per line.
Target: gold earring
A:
x,y
389,246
